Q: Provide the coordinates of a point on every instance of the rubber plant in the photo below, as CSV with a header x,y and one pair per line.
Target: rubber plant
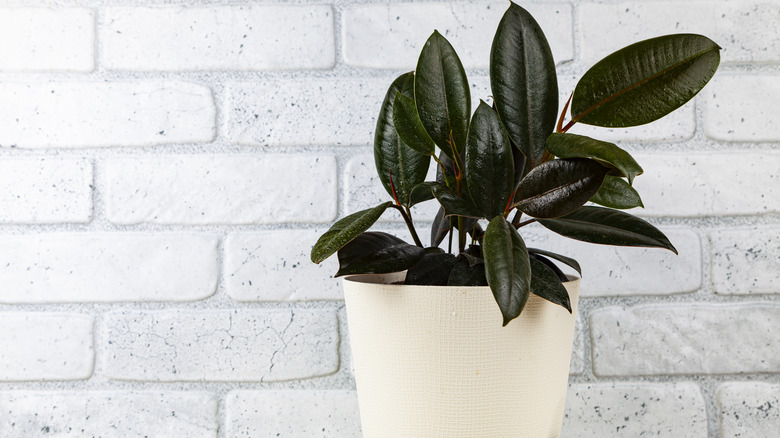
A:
x,y
514,159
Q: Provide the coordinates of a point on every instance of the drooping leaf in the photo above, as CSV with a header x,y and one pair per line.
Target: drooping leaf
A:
x,y
615,192
432,270
489,163
550,264
442,225
546,284
344,230
391,155
409,127
558,187
507,267
465,274
421,192
523,81
455,205
580,146
441,92
563,259
377,253
645,81
608,227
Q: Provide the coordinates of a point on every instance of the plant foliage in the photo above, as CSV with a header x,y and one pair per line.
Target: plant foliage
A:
x,y
510,158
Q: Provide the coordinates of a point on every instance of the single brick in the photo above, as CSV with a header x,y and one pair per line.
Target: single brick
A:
x,y
101,114
626,271
709,184
45,190
749,410
392,35
302,413
47,39
685,338
257,37
45,346
109,414
232,189
104,267
743,108
275,266
746,261
745,29
635,409
223,345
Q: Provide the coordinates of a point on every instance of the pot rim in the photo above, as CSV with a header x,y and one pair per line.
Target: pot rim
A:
x,y
377,279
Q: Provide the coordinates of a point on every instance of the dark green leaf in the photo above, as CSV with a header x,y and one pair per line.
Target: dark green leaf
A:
x,y
377,253
645,81
391,155
558,187
433,270
608,227
580,146
442,94
421,192
523,81
453,204
464,274
563,259
440,227
546,284
409,127
550,264
615,192
471,258
507,267
522,166
489,163
346,229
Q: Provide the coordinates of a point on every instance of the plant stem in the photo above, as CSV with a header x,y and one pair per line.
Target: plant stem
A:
x,y
408,219
522,224
516,219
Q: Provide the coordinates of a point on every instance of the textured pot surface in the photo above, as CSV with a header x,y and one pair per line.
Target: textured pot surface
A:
x,y
435,361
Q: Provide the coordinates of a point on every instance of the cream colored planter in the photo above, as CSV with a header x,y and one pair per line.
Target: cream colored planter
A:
x,y
435,362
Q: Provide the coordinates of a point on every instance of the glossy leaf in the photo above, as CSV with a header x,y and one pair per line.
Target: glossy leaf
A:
x,y
344,230
563,259
441,91
433,270
608,227
546,284
558,187
465,274
421,192
645,81
489,163
453,204
377,253
615,192
507,267
580,146
440,227
550,264
391,155
409,127
523,81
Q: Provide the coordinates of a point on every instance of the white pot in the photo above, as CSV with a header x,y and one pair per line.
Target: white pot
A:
x,y
435,361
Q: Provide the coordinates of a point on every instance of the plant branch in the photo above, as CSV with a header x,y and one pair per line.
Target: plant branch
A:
x,y
559,128
528,222
409,224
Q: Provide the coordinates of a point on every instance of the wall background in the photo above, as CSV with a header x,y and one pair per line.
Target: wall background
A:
x,y
166,166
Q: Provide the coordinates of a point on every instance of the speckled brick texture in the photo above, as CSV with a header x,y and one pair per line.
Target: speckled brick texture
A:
x,y
166,166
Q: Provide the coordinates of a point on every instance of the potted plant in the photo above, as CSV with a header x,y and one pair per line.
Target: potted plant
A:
x,y
476,341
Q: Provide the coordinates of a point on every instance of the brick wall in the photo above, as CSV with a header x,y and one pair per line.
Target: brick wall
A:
x,y
167,165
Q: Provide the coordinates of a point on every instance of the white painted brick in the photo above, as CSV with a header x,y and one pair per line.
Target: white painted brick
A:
x,y
231,189
275,266
743,108
84,267
746,261
709,183
745,29
47,39
82,114
224,345
635,410
365,190
749,410
45,346
218,37
626,271
686,339
577,363
109,414
392,35
323,413
45,190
